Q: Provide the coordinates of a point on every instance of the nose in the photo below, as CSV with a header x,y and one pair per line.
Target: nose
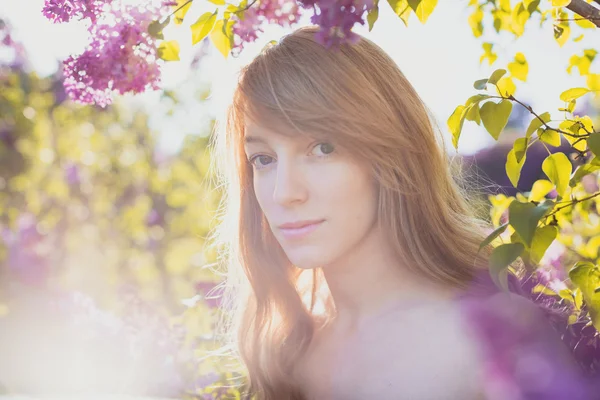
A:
x,y
290,186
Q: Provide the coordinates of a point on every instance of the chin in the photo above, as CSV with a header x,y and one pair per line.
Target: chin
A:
x,y
305,260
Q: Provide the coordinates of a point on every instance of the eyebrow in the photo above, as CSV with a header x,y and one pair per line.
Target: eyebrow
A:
x,y
254,139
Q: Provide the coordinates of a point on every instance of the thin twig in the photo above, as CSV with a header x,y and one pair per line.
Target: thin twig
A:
x,y
586,10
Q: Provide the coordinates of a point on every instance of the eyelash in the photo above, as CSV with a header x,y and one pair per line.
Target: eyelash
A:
x,y
251,159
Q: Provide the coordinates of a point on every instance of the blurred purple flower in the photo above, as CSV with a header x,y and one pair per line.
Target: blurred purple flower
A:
x,y
211,292
72,176
25,260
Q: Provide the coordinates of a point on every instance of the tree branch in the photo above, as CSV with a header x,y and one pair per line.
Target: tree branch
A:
x,y
586,10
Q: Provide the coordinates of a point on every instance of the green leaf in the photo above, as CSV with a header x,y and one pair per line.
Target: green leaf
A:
x,y
480,84
155,28
594,143
218,2
524,217
586,276
169,51
549,136
536,123
495,116
497,232
558,168
540,189
574,93
500,259
203,26
496,75
542,239
372,15
582,171
513,167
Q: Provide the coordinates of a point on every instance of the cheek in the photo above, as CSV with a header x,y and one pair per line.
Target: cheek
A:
x,y
263,191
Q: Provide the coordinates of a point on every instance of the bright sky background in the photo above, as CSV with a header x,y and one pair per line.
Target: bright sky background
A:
x,y
440,58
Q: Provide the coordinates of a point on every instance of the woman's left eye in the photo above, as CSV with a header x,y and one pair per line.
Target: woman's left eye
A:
x,y
326,148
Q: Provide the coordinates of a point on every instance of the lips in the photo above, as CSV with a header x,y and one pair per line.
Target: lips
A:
x,y
299,229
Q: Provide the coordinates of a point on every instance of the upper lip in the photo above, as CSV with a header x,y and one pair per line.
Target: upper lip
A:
x,y
299,224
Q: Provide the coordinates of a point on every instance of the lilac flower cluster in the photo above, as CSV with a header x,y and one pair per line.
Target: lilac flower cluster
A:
x,y
337,18
121,57
280,12
59,11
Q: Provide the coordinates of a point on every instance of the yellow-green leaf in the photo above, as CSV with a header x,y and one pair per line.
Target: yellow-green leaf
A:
x,y
540,189
573,93
401,9
500,259
218,2
169,51
524,217
473,114
455,123
203,26
476,22
490,238
537,123
558,168
423,8
542,239
549,136
506,87
582,171
224,43
496,75
593,82
181,12
539,288
519,67
513,168
594,143
495,116
586,276
560,3
372,15
520,147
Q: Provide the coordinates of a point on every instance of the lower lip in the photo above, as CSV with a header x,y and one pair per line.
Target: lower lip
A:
x,y
297,233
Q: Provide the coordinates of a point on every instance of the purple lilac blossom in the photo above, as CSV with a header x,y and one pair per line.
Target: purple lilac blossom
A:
x,y
279,12
121,57
337,18
59,11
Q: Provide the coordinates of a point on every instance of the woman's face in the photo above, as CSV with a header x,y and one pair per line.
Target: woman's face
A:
x,y
319,202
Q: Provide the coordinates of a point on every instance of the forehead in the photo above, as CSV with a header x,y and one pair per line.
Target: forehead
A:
x,y
254,133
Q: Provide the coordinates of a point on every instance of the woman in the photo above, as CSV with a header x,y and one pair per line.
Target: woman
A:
x,y
350,247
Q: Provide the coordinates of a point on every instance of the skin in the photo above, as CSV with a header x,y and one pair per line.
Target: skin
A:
x,y
298,178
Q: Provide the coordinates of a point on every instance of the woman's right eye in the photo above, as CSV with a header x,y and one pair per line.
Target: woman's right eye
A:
x,y
263,161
